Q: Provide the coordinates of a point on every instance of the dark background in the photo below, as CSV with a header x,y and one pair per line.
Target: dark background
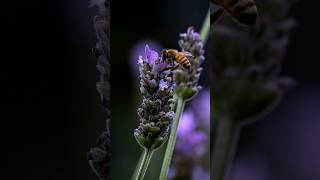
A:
x,y
50,113
50,110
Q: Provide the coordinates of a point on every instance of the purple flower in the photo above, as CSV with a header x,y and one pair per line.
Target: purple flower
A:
x,y
190,140
161,67
139,49
191,35
191,42
187,124
187,81
247,64
163,85
157,92
200,173
158,64
151,55
191,147
201,107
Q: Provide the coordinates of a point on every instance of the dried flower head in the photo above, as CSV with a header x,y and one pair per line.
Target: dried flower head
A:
x,y
187,81
99,156
157,92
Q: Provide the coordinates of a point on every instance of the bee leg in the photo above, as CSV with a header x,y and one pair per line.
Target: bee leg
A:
x,y
165,69
171,68
174,67
171,62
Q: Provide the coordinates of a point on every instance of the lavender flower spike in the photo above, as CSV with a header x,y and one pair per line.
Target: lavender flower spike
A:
x,y
157,92
187,82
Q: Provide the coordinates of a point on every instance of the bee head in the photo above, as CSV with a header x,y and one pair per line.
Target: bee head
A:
x,y
164,52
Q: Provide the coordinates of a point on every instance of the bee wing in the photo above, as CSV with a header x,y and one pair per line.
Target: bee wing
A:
x,y
187,54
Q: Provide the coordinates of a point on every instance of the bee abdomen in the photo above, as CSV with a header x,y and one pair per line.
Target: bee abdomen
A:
x,y
183,61
180,58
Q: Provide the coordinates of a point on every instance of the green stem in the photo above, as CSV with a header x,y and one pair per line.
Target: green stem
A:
x,y
143,164
204,33
172,140
224,148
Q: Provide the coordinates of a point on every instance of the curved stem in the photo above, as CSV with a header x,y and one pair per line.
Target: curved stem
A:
x,y
143,164
224,148
204,33
172,140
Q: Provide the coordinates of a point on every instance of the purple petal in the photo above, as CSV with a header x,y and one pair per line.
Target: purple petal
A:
x,y
196,36
187,124
198,138
201,107
163,85
159,67
151,55
190,30
140,61
200,173
139,49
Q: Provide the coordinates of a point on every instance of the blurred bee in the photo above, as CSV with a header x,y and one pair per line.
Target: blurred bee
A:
x,y
182,58
244,11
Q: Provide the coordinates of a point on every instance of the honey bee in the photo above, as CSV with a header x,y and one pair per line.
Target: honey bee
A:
x,y
244,11
182,58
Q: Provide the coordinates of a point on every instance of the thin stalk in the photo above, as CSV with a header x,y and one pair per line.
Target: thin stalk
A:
x,y
224,148
143,164
204,33
172,140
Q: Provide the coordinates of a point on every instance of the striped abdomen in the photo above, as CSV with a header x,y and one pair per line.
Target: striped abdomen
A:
x,y
183,60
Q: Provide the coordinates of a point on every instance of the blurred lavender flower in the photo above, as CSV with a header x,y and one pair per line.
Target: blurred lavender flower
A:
x,y
187,82
139,49
192,145
246,83
200,173
201,108
99,156
191,141
157,91
247,63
